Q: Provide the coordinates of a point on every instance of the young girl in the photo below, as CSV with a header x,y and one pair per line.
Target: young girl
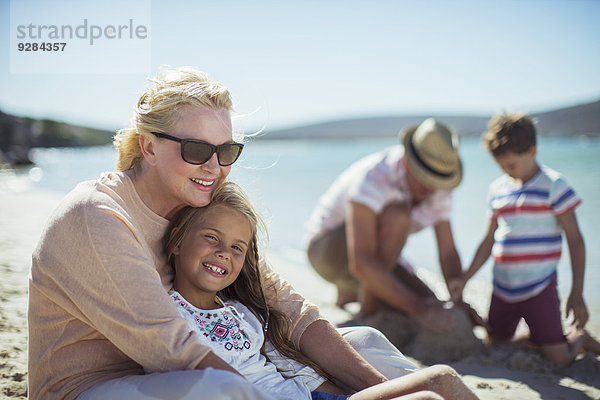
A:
x,y
218,290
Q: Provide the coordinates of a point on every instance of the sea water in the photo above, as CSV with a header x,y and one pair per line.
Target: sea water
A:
x,y
285,179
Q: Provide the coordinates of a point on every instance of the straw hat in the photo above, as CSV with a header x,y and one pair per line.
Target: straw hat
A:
x,y
431,150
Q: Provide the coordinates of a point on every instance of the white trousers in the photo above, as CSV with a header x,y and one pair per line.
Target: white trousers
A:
x,y
211,384
374,347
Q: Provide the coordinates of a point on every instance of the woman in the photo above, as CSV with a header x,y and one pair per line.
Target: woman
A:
x,y
99,311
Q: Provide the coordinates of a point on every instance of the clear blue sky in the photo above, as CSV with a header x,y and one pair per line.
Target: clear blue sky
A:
x,y
310,61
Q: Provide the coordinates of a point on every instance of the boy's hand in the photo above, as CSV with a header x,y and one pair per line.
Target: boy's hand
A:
x,y
576,306
474,316
456,287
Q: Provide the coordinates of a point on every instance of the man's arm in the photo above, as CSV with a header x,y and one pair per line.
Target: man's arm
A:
x,y
447,254
372,263
366,261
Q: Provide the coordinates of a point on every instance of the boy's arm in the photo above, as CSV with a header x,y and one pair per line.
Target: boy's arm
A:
x,y
575,303
483,251
481,255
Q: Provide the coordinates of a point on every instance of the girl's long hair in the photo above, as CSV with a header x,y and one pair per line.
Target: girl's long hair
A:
x,y
248,287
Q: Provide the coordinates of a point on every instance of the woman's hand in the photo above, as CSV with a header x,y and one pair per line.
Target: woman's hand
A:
x,y
323,344
211,360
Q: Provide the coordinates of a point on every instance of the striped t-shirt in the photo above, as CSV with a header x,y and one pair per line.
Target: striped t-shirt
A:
x,y
528,240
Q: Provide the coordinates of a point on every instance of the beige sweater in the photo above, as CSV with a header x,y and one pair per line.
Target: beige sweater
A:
x,y
98,302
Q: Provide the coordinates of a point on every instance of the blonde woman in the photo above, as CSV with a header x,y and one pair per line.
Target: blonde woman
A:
x,y
99,311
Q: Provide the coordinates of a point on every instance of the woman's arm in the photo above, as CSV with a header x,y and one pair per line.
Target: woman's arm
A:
x,y
281,295
322,343
98,275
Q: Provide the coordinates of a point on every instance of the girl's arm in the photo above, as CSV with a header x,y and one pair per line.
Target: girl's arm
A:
x,y
575,303
322,343
483,252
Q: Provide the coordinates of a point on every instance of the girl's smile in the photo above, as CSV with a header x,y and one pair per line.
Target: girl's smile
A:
x,y
216,269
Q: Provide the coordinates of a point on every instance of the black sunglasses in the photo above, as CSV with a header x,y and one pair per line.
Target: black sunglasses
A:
x,y
198,152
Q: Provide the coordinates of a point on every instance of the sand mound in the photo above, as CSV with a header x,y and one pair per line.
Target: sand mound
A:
x,y
425,345
462,349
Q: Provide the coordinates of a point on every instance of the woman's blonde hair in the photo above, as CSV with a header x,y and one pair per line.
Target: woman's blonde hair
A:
x,y
248,287
159,108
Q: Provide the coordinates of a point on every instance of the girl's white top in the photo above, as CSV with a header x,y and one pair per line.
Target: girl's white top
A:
x,y
236,335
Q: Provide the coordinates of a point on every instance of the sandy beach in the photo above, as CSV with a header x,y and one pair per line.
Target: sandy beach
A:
x,y
498,372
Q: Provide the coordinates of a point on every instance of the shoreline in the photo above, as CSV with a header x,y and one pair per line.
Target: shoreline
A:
x,y
491,372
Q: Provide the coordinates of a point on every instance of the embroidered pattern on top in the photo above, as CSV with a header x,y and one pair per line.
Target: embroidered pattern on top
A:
x,y
221,326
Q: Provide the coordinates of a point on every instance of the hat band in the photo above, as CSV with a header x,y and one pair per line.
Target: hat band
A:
x,y
426,166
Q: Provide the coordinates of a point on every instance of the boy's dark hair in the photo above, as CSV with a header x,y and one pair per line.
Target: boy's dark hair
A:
x,y
509,132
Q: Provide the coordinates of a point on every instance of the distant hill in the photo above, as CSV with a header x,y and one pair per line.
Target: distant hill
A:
x,y
18,134
578,120
583,119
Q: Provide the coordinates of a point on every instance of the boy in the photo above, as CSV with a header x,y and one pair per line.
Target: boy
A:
x,y
530,207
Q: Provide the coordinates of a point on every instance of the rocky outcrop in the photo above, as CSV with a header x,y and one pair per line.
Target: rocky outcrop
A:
x,y
19,135
15,141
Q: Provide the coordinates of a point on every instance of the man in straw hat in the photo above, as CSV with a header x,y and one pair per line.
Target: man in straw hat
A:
x,y
361,224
